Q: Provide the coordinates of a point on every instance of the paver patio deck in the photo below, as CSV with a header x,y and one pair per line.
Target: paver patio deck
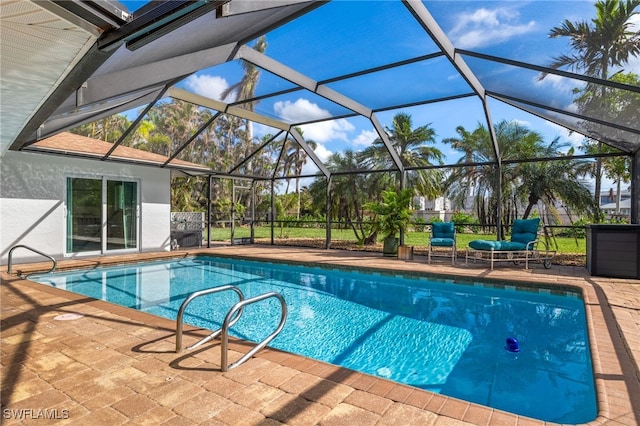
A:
x,y
112,365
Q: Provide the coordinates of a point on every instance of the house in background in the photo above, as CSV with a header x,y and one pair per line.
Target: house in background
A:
x,y
611,208
70,206
610,196
616,206
428,210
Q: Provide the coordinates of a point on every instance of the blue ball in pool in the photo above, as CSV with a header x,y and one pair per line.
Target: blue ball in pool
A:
x,y
512,345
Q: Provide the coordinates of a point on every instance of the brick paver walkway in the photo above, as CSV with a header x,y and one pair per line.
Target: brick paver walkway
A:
x,y
69,359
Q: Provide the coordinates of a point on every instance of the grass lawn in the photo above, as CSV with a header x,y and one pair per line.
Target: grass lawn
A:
x,y
418,239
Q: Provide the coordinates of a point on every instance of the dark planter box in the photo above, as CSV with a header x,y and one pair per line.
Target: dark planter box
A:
x,y
187,238
613,250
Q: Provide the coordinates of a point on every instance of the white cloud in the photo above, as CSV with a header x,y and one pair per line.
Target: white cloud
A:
x,y
487,27
328,130
320,133
309,167
557,83
565,135
303,110
323,153
300,110
523,123
210,86
365,138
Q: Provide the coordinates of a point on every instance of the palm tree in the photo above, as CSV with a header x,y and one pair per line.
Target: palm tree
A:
x,y
617,169
600,46
412,148
245,89
480,181
550,181
468,143
350,192
604,44
294,161
348,201
624,109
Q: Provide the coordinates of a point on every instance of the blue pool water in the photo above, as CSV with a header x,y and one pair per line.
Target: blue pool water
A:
x,y
437,335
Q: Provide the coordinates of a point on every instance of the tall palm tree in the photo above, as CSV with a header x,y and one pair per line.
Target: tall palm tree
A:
x,y
624,109
245,89
412,146
481,181
350,192
468,143
604,44
294,161
551,181
182,120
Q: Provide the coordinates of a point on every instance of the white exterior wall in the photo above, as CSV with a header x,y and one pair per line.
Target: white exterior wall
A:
x,y
439,204
33,197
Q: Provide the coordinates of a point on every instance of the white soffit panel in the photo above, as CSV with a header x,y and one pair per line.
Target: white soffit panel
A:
x,y
38,48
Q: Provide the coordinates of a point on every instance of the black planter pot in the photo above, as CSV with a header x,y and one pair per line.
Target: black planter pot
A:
x,y
390,247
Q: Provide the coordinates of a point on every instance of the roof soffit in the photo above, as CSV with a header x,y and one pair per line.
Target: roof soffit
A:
x,y
41,44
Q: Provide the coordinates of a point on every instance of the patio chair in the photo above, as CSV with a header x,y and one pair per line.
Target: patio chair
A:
x,y
523,246
443,235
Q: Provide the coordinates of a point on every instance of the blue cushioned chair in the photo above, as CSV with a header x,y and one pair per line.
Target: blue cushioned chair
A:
x,y
523,245
443,234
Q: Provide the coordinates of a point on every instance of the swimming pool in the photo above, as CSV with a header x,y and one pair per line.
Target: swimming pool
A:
x,y
438,335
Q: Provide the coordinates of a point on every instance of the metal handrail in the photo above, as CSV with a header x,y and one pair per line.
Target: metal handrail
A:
x,y
10,260
228,322
213,335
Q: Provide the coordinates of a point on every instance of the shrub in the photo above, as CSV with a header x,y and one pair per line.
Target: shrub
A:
x,y
577,232
419,224
462,219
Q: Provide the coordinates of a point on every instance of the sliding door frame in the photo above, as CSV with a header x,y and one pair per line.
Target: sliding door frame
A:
x,y
108,233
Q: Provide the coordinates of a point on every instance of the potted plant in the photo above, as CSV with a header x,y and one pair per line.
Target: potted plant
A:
x,y
392,216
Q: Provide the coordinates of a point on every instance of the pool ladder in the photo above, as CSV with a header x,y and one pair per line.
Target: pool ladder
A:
x,y
10,259
230,319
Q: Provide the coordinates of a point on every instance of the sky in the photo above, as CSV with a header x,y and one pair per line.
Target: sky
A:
x,y
373,33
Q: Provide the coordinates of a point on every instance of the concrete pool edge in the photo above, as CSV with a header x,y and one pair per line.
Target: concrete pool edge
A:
x,y
606,351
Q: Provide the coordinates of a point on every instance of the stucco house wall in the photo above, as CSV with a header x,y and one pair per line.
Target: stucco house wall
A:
x,y
33,198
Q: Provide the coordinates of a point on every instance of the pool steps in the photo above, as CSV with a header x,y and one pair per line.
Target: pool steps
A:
x,y
233,315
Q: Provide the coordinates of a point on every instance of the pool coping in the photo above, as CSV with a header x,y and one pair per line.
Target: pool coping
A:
x,y
616,376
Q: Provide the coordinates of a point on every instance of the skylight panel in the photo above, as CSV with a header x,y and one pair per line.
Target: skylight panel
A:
x,y
347,36
405,85
300,107
612,133
517,30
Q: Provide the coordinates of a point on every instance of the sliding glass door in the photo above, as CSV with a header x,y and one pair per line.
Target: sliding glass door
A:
x,y
122,206
102,215
84,215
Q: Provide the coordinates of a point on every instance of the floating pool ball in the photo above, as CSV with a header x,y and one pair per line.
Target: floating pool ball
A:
x,y
512,345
